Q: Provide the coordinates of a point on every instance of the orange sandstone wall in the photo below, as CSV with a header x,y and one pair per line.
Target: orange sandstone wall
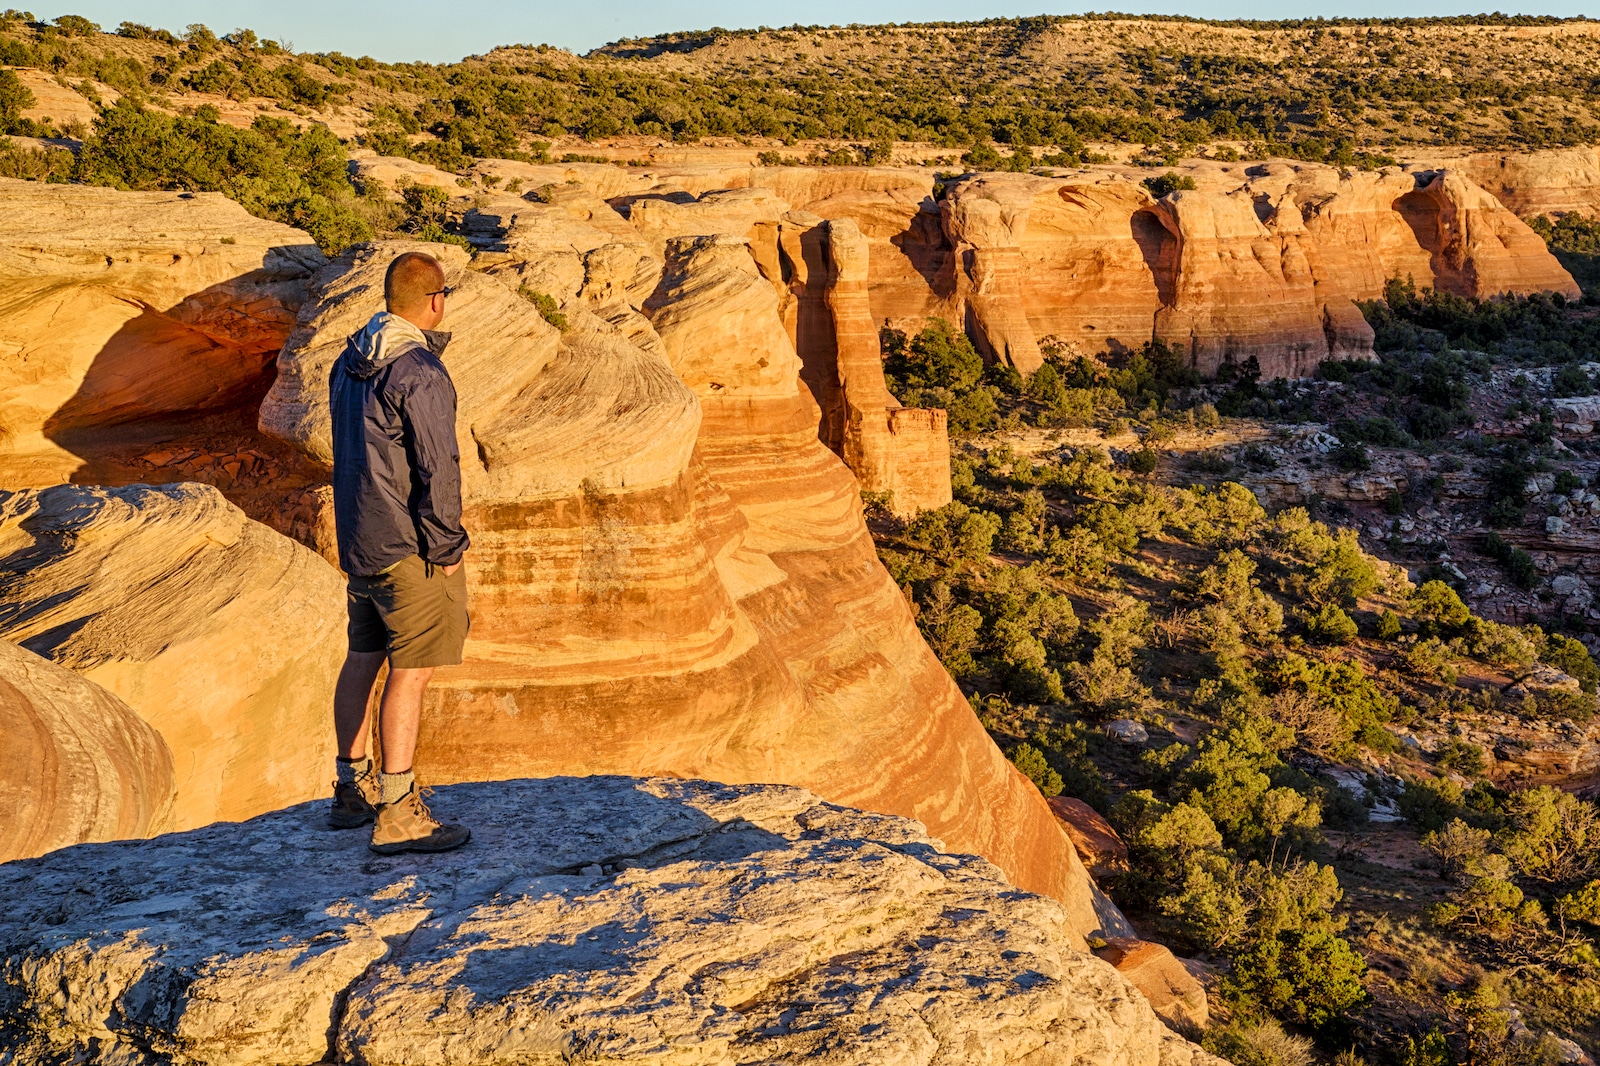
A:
x,y
670,573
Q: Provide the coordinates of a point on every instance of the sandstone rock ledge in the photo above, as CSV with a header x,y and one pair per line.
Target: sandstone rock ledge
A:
x,y
603,919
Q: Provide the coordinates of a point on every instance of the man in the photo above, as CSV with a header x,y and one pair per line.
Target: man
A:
x,y
397,510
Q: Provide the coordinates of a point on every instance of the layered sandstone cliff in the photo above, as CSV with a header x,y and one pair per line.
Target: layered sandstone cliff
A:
x,y
1259,260
1552,181
612,919
904,452
670,572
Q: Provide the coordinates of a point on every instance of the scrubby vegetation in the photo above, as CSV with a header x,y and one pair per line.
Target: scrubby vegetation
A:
x,y
1265,654
1286,676
939,367
1003,93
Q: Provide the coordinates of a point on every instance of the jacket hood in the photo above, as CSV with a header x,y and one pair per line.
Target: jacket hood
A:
x,y
384,339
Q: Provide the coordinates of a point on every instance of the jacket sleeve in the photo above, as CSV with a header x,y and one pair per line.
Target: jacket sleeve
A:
x,y
428,418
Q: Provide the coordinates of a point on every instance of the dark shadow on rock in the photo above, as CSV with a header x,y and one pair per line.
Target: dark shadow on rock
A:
x,y
200,366
523,828
1159,248
928,250
815,340
496,972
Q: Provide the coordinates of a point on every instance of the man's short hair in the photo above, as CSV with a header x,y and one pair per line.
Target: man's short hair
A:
x,y
409,280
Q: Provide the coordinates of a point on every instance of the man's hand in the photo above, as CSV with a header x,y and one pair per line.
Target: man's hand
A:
x,y
451,569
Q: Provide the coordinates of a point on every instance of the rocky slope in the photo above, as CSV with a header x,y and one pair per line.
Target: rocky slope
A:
x,y
604,918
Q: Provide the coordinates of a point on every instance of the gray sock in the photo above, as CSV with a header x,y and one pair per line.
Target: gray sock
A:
x,y
352,770
395,786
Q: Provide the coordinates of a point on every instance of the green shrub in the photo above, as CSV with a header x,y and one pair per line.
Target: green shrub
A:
x,y
1432,660
1068,750
1432,1049
956,533
1312,978
1330,625
1167,183
938,357
1350,456
1388,626
15,98
1500,645
1570,380
1144,461
952,629
1460,756
969,412
1438,607
76,26
274,169
1572,658
1031,761
1262,1043
1329,566
51,164
548,308
1431,804
1551,835
1519,564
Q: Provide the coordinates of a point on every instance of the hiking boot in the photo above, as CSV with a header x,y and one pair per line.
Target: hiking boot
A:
x,y
408,825
354,805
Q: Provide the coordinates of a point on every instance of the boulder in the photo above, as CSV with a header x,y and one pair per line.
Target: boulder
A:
x,y
604,918
1098,844
395,172
220,633
127,307
77,765
1127,731
1542,678
1174,993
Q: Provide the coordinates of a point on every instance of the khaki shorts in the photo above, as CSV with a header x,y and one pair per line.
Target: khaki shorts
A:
x,y
414,611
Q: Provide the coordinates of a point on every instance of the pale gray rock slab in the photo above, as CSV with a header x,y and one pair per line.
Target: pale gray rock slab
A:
x,y
604,919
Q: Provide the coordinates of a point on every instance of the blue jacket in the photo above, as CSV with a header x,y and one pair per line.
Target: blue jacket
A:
x,y
396,466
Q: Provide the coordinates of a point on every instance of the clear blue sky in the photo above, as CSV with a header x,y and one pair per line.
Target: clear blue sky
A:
x,y
396,30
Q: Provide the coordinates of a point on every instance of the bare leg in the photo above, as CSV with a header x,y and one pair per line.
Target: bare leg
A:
x,y
352,697
401,716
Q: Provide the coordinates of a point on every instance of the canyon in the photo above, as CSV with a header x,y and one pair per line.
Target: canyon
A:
x,y
671,573
1256,260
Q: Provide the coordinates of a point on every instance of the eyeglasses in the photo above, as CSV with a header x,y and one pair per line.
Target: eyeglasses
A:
x,y
446,291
